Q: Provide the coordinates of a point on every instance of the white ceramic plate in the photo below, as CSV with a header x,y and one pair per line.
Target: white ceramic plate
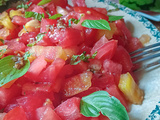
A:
x,y
149,79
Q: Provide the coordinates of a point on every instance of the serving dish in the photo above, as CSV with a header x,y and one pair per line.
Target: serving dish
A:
x,y
149,79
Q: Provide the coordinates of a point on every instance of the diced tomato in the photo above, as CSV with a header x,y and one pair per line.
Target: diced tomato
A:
x,y
79,3
103,81
51,72
30,88
122,57
35,68
19,20
67,37
90,13
51,8
105,49
12,46
40,10
69,109
113,68
133,44
26,37
31,102
7,94
77,84
114,91
50,53
35,1
16,114
62,3
46,23
101,10
80,67
13,104
46,113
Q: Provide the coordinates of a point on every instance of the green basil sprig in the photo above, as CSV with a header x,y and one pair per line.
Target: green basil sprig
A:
x,y
35,15
8,72
96,24
25,6
101,101
43,2
114,18
2,41
55,16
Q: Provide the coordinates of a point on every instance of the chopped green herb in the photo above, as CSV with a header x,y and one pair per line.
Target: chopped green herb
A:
x,y
55,16
82,57
48,14
9,72
101,101
25,6
25,28
96,24
43,2
39,38
2,41
112,10
75,21
26,55
35,15
114,18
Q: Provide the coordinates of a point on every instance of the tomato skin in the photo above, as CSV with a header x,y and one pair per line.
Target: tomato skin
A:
x,y
18,20
16,114
67,37
51,72
79,3
122,57
69,109
112,68
40,10
46,113
105,49
7,94
35,68
114,91
90,13
31,102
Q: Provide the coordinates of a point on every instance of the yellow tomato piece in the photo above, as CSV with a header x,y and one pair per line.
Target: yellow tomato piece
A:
x,y
130,89
108,33
30,26
6,21
18,12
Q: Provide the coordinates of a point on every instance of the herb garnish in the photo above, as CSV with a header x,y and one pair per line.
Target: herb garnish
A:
x,y
2,41
25,6
101,101
82,57
35,15
39,38
55,16
96,24
43,2
114,18
8,72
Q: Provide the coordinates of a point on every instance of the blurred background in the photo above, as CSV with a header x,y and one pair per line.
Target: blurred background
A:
x,y
147,8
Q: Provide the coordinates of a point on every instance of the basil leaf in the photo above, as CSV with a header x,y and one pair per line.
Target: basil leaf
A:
x,y
35,15
101,101
9,72
26,55
97,24
42,2
25,6
2,41
114,18
94,55
55,16
39,38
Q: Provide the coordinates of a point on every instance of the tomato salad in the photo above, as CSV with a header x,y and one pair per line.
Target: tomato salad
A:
x,y
62,62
